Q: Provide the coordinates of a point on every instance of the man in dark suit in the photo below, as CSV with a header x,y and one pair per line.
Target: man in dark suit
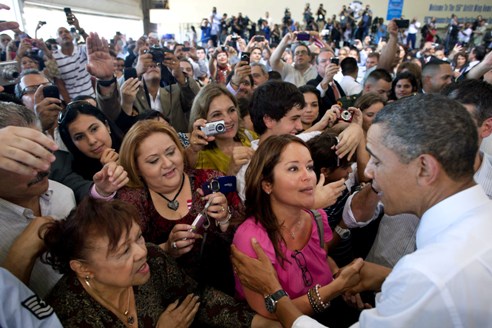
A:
x,y
330,90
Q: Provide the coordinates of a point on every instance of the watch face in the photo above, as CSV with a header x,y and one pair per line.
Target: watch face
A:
x,y
343,233
270,304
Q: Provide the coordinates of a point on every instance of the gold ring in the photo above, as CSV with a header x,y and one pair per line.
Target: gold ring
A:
x,y
223,209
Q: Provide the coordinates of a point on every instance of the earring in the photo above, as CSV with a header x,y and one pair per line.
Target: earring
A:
x,y
268,192
87,279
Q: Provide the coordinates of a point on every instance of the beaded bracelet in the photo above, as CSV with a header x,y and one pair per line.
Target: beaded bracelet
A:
x,y
312,300
226,221
323,305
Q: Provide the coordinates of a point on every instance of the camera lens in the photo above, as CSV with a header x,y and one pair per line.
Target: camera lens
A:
x,y
214,186
346,116
220,127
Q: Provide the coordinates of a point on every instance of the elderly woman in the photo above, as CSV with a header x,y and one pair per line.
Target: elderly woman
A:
x,y
227,151
280,183
113,279
168,197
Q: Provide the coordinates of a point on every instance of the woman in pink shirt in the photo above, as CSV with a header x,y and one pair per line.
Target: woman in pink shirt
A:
x,y
280,185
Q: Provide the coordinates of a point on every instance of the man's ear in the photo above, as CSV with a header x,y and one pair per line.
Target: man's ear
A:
x,y
428,169
269,122
486,128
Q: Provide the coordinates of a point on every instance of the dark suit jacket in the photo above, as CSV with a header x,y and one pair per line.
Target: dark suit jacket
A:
x,y
329,99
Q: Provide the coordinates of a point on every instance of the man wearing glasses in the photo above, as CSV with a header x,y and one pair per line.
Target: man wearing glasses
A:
x,y
30,91
302,71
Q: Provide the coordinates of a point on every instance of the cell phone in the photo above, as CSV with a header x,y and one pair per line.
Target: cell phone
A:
x,y
186,48
245,56
259,38
303,36
51,91
130,72
221,184
68,12
402,23
335,60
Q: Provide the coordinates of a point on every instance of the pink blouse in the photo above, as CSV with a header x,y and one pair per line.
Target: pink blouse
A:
x,y
290,277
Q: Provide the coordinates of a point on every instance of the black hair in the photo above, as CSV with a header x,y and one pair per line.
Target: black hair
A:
x,y
82,164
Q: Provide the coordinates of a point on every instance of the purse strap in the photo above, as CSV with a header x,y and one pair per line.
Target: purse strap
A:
x,y
319,223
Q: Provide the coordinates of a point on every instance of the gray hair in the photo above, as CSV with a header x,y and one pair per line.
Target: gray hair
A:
x,y
261,66
12,114
431,124
18,87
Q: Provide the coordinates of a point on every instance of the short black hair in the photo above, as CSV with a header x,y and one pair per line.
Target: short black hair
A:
x,y
273,99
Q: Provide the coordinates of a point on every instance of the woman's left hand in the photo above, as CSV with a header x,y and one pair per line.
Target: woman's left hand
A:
x,y
109,155
218,209
111,178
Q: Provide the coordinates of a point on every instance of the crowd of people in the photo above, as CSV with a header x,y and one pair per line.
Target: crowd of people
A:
x,y
304,174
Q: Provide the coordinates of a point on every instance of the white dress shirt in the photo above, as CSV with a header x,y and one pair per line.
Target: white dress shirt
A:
x,y
447,281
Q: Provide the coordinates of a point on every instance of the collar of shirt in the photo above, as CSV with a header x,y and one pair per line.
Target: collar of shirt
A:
x,y
448,212
7,207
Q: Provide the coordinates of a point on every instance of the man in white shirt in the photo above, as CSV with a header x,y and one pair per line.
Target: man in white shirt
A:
x,y
302,71
349,71
423,167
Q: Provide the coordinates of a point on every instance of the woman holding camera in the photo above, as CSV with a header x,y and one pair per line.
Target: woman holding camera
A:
x,y
169,197
113,279
218,146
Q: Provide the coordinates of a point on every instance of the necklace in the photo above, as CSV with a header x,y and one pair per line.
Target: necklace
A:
x,y
174,204
130,320
295,227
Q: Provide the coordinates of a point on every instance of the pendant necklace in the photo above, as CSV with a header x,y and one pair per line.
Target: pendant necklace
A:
x,y
173,204
130,320
295,227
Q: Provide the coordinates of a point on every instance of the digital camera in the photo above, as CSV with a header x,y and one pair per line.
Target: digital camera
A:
x,y
158,53
9,72
221,184
214,128
346,116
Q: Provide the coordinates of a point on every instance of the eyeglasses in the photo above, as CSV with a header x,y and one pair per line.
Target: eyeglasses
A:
x,y
77,103
301,262
30,90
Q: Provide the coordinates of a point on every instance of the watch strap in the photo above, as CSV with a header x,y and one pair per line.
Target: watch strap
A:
x,y
106,83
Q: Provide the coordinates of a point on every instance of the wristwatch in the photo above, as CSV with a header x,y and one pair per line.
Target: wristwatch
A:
x,y
343,233
272,300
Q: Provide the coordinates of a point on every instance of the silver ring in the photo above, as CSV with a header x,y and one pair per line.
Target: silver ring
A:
x,y
173,245
223,209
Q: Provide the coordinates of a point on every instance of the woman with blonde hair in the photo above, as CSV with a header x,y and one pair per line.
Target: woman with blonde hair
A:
x,y
229,145
169,197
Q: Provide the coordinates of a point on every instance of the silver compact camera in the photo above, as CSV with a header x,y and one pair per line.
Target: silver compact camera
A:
x,y
346,116
9,72
214,128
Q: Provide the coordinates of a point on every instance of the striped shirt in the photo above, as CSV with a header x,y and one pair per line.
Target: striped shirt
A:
x,y
73,72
